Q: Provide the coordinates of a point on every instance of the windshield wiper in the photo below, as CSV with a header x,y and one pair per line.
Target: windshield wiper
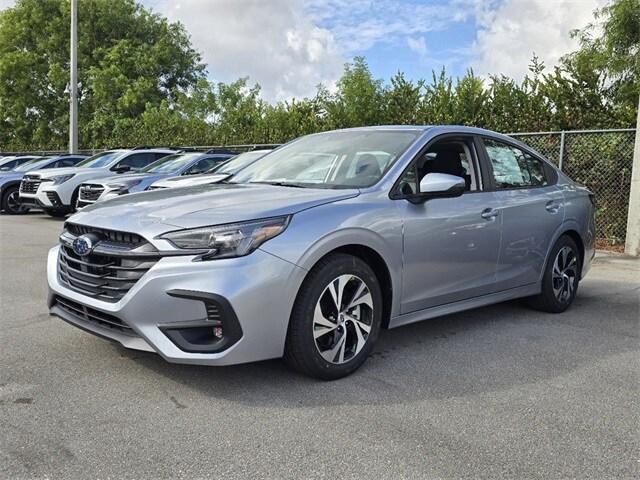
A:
x,y
281,184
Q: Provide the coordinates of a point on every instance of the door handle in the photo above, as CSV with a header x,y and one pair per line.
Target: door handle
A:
x,y
489,213
552,206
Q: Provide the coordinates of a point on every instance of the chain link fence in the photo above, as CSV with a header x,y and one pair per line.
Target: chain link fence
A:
x,y
600,159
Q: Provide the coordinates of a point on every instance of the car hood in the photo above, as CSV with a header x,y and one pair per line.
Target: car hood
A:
x,y
125,177
203,205
192,180
52,172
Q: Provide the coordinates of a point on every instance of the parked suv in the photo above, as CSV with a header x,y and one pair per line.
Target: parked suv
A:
x,y
10,181
217,174
181,164
309,252
56,190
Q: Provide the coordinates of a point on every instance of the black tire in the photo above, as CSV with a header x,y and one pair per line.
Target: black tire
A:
x,y
9,199
560,298
74,201
302,351
56,213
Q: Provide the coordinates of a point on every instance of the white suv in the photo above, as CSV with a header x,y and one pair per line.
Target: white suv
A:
x,y
56,190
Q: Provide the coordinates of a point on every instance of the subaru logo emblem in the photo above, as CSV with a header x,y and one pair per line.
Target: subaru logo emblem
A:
x,y
83,245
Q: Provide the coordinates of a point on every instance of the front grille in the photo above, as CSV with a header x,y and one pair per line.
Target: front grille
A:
x,y
30,184
90,192
130,239
93,316
110,271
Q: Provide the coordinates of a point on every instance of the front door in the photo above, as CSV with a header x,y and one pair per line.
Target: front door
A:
x,y
451,245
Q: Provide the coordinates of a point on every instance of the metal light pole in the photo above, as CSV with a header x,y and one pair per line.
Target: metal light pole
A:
x,y
632,244
73,108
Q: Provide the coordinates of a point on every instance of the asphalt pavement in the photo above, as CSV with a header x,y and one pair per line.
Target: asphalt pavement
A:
x,y
497,392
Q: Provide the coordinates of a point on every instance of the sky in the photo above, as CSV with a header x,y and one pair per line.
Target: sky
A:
x,y
291,46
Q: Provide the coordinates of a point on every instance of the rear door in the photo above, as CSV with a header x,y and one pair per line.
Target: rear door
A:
x,y
531,206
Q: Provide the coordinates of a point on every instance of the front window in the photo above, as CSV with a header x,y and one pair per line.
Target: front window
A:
x,y
100,160
237,163
171,163
343,159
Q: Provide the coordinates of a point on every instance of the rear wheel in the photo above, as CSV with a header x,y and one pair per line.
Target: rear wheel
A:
x,y
11,202
561,277
336,318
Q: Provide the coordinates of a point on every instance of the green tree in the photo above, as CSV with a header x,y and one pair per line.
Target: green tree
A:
x,y
610,51
128,58
470,100
402,100
358,99
438,102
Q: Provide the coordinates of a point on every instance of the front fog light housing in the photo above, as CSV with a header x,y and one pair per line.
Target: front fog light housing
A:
x,y
231,240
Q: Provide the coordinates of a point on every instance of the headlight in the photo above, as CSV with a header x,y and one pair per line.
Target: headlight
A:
x,y
231,240
58,179
123,186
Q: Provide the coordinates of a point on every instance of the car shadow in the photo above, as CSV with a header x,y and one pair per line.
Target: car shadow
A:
x,y
470,353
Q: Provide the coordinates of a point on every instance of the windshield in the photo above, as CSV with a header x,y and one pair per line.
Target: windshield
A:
x,y
99,160
4,160
237,163
172,163
32,164
342,159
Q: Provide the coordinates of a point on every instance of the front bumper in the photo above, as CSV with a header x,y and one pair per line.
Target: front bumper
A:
x,y
48,196
259,288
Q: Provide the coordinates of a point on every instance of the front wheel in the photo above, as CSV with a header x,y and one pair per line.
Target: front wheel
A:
x,y
561,277
11,202
336,318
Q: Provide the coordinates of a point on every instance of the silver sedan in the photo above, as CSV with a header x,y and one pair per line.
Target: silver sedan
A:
x,y
313,249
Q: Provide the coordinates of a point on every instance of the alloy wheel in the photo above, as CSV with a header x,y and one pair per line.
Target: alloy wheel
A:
x,y
564,274
342,319
13,203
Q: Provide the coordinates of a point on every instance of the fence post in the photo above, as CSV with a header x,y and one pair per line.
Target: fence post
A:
x,y
561,150
632,243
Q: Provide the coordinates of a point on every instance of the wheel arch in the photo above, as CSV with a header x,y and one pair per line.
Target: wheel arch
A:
x,y
571,229
372,257
381,270
9,184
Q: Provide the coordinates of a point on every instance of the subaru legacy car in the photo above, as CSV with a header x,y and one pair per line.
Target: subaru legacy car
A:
x,y
56,190
287,259
180,164
215,175
10,181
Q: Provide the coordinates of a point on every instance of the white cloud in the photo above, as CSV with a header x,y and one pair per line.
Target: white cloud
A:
x,y
511,31
418,45
274,43
359,24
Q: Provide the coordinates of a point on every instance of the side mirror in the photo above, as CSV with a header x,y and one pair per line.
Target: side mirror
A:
x,y
122,168
440,185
